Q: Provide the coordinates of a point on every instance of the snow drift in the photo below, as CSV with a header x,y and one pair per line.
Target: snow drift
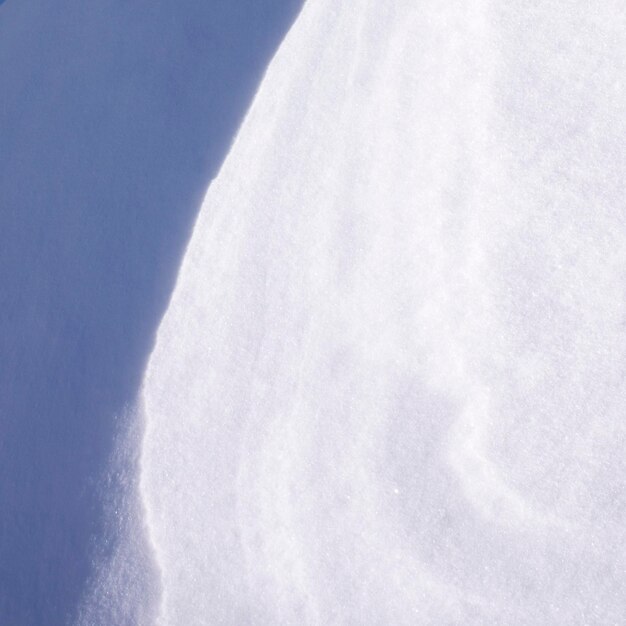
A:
x,y
389,386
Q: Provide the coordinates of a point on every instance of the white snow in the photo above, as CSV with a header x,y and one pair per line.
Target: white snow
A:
x,y
389,387
114,116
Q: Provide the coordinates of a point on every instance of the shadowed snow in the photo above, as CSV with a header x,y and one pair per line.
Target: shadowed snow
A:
x,y
114,116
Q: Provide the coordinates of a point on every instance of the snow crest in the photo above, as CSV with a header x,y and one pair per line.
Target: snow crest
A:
x,y
389,385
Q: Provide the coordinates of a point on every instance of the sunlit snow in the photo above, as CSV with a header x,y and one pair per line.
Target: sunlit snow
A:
x,y
389,386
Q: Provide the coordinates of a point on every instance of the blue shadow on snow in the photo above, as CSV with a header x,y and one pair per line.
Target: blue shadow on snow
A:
x,y
114,116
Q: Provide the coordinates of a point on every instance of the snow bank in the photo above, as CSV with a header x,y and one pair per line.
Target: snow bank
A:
x,y
389,386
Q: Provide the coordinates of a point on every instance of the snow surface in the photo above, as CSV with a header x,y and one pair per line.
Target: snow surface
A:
x,y
389,387
114,116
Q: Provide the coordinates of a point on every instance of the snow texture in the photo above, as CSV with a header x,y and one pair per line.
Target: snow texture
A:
x,y
114,116
389,386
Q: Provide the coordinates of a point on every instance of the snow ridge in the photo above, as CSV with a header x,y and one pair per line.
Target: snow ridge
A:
x,y
386,388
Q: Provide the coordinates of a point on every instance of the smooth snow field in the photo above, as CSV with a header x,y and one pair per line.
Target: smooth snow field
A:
x,y
389,387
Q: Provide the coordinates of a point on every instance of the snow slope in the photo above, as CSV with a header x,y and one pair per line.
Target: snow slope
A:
x,y
389,386
114,116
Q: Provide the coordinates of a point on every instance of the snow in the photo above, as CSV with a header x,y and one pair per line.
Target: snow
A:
x,y
114,117
389,385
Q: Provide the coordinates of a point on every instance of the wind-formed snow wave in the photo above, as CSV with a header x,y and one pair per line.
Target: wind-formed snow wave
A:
x,y
389,387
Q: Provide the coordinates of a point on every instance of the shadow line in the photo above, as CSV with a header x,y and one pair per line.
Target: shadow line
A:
x,y
113,118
